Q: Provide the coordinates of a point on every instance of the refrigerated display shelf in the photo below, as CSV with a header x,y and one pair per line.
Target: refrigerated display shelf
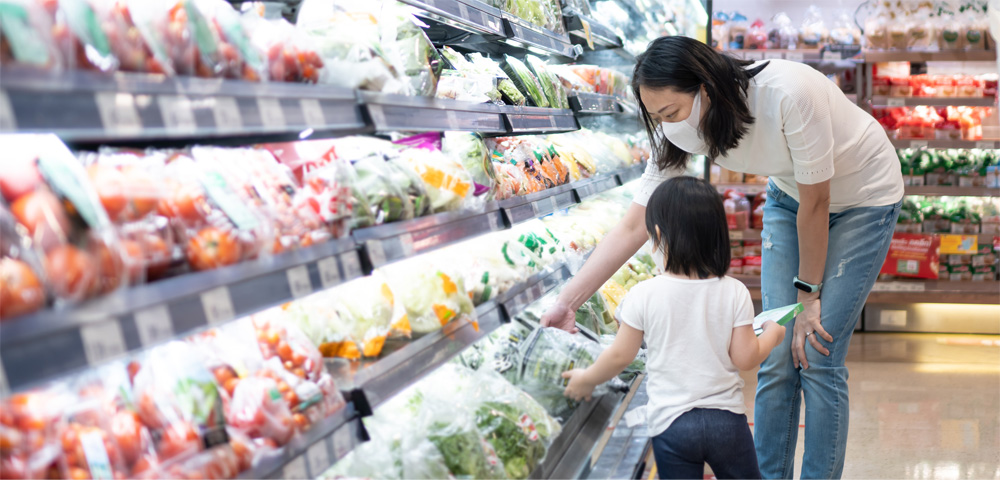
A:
x,y
399,112
521,209
522,34
623,450
934,101
594,104
515,300
592,186
946,143
584,30
631,173
40,346
951,191
914,291
388,376
522,120
468,15
941,56
308,457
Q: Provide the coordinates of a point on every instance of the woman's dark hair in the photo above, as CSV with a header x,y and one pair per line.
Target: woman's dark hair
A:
x,y
685,64
693,229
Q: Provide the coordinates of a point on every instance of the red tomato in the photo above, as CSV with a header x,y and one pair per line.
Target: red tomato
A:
x,y
178,438
110,185
127,432
142,192
20,290
18,177
212,248
185,202
112,267
71,272
43,215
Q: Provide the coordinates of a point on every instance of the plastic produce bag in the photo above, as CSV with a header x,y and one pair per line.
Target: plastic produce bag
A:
x,y
179,36
386,200
545,355
508,90
240,58
471,150
26,36
525,81
412,185
290,53
431,294
84,37
448,185
325,181
368,305
22,290
569,79
479,81
58,210
553,88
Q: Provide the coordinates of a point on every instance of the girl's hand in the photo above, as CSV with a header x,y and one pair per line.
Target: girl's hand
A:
x,y
561,317
579,388
807,326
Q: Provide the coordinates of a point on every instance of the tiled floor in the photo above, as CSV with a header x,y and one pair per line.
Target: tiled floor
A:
x,y
922,406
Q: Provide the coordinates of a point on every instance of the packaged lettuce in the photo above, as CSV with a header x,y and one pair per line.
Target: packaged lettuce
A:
x,y
551,86
525,81
471,151
505,86
431,295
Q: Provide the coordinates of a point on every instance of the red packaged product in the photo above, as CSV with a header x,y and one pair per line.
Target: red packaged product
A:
x,y
27,37
944,85
30,435
239,58
880,87
21,282
180,37
752,265
290,55
900,87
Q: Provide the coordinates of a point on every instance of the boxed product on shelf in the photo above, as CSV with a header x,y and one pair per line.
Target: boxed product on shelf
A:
x,y
737,210
911,219
922,27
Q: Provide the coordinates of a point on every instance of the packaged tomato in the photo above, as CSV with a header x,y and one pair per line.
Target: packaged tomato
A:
x,y
180,36
213,223
240,58
290,54
29,433
56,207
83,34
21,282
90,431
27,35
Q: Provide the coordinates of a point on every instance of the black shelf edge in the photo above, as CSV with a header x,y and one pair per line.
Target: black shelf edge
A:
x,y
594,104
399,112
600,34
539,204
624,453
931,143
521,120
53,342
515,300
404,367
388,243
585,189
631,173
522,34
316,451
468,15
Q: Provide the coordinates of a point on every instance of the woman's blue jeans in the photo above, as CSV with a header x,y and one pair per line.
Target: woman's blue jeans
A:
x,y
859,241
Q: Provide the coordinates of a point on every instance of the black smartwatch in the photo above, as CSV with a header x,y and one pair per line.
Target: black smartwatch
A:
x,y
806,287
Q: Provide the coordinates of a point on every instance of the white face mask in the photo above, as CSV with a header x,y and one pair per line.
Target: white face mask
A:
x,y
685,133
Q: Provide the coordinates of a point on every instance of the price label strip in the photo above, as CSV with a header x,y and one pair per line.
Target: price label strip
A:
x,y
918,144
312,111
177,114
343,441
298,281
329,272
218,305
452,118
227,114
7,119
895,102
154,325
118,113
983,145
406,244
271,114
352,266
295,469
102,341
318,458
376,253
795,57
772,55
4,385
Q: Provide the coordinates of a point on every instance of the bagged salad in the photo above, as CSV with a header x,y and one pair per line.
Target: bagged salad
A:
x,y
431,294
449,185
525,81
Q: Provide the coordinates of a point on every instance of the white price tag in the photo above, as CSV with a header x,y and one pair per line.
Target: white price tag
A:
x,y
918,144
295,469
984,145
319,458
795,56
352,266
895,102
377,114
218,305
329,274
7,119
271,114
312,112
154,325
496,223
118,113
735,235
342,441
102,341
406,242
298,281
376,253
452,118
772,55
177,114
227,114
753,55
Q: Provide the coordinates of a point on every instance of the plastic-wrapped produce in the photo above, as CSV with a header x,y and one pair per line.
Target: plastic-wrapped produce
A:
x,y
58,210
431,294
553,88
468,82
404,39
525,81
21,288
449,186
785,36
471,150
179,36
508,90
325,181
386,200
814,33
27,36
368,305
569,79
545,355
542,13
289,52
240,58
84,37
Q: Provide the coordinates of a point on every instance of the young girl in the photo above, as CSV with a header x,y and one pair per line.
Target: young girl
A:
x,y
698,327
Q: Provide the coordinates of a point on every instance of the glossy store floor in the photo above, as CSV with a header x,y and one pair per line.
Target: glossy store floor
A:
x,y
923,406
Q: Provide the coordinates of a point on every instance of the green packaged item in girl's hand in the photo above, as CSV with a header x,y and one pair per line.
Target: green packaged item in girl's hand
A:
x,y
780,316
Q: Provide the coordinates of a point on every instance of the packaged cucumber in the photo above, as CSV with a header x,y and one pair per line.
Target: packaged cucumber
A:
x,y
525,81
551,85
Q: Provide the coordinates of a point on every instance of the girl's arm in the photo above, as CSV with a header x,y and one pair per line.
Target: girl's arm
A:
x,y
611,362
611,253
747,350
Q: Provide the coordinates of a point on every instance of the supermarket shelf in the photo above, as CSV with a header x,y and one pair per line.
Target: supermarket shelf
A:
x,y
322,446
623,450
942,56
150,314
914,291
84,107
467,15
812,55
390,375
749,234
945,143
934,101
594,104
395,241
583,28
951,191
631,173
744,188
515,300
522,34
400,112
538,204
522,120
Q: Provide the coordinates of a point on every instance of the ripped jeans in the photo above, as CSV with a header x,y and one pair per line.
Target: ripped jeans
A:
x,y
859,241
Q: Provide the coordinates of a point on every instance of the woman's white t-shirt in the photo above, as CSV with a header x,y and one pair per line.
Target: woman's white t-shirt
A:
x,y
687,326
807,131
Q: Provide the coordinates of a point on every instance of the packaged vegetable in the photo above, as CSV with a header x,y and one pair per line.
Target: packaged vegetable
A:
x,y
289,52
84,36
387,202
27,36
431,294
324,179
448,185
179,36
471,150
58,210
467,81
240,58
22,288
553,88
525,81
368,306
545,355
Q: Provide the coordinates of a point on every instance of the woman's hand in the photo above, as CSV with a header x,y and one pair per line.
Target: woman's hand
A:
x,y
560,316
579,388
807,326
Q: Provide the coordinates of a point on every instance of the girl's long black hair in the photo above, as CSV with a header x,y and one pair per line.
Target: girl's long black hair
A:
x,y
685,65
692,227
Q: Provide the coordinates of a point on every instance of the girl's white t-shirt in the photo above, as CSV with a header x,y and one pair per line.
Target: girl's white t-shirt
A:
x,y
687,326
807,131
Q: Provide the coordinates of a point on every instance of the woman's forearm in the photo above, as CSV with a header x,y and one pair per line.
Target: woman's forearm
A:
x,y
813,222
611,253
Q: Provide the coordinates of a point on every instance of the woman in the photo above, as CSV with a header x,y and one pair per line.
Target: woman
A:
x,y
834,194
